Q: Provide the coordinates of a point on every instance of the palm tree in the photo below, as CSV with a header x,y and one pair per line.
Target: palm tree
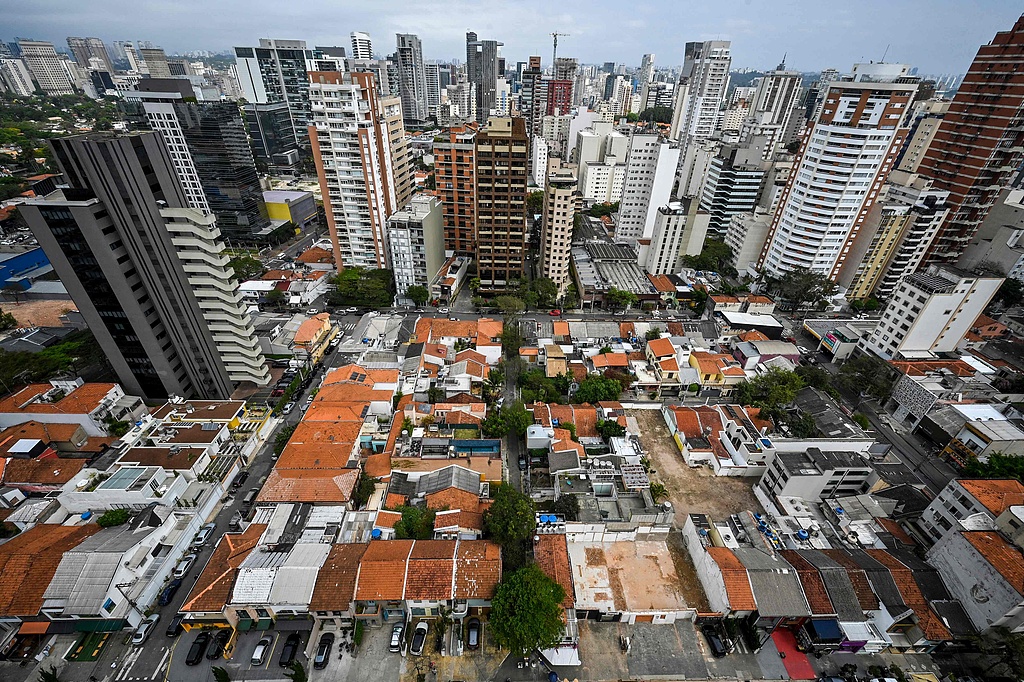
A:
x,y
658,492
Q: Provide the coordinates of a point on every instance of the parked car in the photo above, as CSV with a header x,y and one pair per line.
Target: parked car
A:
x,y
555,313
174,627
312,311
198,648
350,311
522,463
144,629
220,640
473,633
235,524
323,651
715,643
259,654
185,565
203,536
290,648
168,594
396,638
803,351
419,638
288,407
240,479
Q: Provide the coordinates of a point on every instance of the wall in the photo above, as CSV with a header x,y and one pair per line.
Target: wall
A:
x,y
708,572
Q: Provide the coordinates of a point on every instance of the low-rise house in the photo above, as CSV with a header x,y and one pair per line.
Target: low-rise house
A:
x,y
718,372
551,552
816,474
977,440
731,439
91,405
750,354
313,337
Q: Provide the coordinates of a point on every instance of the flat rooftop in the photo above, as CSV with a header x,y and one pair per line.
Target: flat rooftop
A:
x,y
625,576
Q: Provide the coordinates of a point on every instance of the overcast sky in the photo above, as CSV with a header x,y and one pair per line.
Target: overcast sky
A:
x,y
937,36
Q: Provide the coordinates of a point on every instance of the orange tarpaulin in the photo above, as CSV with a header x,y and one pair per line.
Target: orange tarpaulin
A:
x,y
37,627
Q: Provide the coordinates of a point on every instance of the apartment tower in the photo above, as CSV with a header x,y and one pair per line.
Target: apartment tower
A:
x,y
275,71
362,46
85,49
455,183
482,58
502,175
556,226
48,69
647,184
701,90
412,78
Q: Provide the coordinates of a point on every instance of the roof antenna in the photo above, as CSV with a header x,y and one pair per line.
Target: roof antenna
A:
x,y
885,53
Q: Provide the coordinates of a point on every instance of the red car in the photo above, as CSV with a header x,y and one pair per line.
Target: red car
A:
x,y
555,313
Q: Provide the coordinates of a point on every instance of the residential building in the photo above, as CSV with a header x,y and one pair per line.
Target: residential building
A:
x,y
85,49
402,170
89,406
772,107
967,498
155,60
645,78
502,174
746,236
927,120
816,474
211,155
556,226
15,77
353,156
148,274
826,202
650,172
978,440
701,91
978,147
47,67
412,78
733,183
275,71
362,46
679,230
416,242
997,244
929,313
482,57
532,96
559,97
455,183
600,154
554,131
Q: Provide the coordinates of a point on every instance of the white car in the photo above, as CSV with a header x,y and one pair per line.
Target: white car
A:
x,y
803,351
185,565
312,311
444,311
288,407
203,536
145,627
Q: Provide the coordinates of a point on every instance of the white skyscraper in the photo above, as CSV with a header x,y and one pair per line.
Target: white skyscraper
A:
x,y
362,46
771,109
679,230
646,77
701,90
47,67
412,78
15,77
650,173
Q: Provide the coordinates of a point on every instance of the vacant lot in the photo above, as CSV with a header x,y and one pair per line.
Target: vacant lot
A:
x,y
690,490
45,313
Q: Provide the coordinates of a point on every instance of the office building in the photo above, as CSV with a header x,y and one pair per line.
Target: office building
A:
x,y
15,77
732,184
48,69
433,81
352,153
271,136
532,104
455,183
556,226
774,103
679,230
701,90
156,62
979,146
929,313
276,72
416,243
85,49
148,273
645,78
482,57
412,78
650,172
502,175
844,160
362,46
210,154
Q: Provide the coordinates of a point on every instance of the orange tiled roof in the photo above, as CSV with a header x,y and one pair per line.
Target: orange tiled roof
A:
x,y
47,471
33,430
996,494
626,330
28,562
477,569
1007,559
661,348
734,575
662,283
213,588
560,328
382,570
312,329
336,580
378,465
454,518
82,400
724,298
315,486
920,368
896,530
910,591
814,586
759,299
858,578
669,365
319,444
394,501
470,354
431,569
552,555
529,350
605,360
387,518
752,335
315,255
453,498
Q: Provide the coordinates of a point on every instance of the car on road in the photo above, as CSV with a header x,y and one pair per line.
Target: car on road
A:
x,y
522,463
203,536
174,627
323,651
444,311
803,350
288,407
198,648
473,633
351,311
312,311
396,638
290,648
555,313
168,594
259,654
240,479
220,641
419,638
185,565
144,629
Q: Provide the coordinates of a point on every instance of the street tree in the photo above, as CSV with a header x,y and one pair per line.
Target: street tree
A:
x,y
803,288
772,389
619,298
418,294
510,306
596,388
527,612
246,267
275,298
510,518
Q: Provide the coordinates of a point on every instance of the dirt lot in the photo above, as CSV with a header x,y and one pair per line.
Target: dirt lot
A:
x,y
44,313
690,490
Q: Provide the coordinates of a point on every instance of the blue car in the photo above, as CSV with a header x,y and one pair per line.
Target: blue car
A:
x,y
168,594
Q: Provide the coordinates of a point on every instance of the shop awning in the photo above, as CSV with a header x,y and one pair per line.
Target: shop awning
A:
x,y
826,631
34,627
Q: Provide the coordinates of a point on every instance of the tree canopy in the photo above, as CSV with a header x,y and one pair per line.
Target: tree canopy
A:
x,y
867,374
526,612
598,210
509,419
803,289
417,523
596,388
510,518
772,389
535,203
246,267
418,294
363,287
999,465
619,298
1010,293
657,114
716,256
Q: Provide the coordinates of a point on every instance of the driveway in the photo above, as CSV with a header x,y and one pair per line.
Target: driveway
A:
x,y
371,663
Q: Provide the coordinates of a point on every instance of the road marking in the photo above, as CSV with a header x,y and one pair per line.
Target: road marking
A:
x,y
160,665
128,662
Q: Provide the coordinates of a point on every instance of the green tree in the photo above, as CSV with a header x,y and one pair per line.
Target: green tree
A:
x,y
599,210
527,612
1008,650
246,267
609,428
435,394
817,377
220,674
596,388
658,492
999,465
517,417
772,389
275,298
1010,293
363,287
572,298
13,291
281,439
535,203
296,673
715,256
867,374
7,321
657,114
653,333
568,506
510,518
417,523
619,298
113,517
510,306
365,485
418,294
511,339
49,675
803,288
632,117
547,291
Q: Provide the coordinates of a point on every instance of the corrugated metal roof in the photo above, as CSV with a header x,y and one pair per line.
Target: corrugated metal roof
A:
x,y
294,584
775,583
253,585
90,591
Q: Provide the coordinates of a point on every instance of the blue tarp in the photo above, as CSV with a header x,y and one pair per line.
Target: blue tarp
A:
x,y
826,630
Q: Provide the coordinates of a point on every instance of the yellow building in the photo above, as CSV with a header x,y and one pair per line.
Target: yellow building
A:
x,y
313,335
294,206
892,223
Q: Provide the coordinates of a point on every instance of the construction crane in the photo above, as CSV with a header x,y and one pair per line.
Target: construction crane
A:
x,y
554,49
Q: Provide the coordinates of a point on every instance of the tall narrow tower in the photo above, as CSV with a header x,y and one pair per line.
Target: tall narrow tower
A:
x,y
412,78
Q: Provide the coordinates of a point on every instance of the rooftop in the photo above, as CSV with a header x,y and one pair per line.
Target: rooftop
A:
x,y
995,494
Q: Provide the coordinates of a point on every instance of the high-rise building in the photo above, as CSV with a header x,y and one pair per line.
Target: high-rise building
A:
x,y
650,172
47,67
559,99
352,153
455,183
416,243
645,78
362,46
745,236
15,77
433,78
210,154
979,146
156,63
276,72
482,58
85,49
929,313
601,156
502,175
701,90
148,274
413,78
843,162
402,170
774,103
679,230
556,226
532,96
927,118
271,135
733,183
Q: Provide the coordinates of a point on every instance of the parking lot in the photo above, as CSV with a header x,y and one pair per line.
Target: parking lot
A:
x,y
371,663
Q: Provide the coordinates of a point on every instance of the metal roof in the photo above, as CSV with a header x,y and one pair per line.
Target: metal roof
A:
x,y
775,583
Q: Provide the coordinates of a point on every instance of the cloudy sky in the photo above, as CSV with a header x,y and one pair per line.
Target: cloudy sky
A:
x,y
937,36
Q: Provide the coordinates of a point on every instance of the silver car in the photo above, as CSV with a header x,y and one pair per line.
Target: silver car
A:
x,y
144,629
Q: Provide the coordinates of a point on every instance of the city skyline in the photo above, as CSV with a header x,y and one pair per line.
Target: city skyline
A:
x,y
761,34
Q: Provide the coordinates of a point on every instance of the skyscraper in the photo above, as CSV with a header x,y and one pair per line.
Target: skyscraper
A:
x,y
455,175
276,72
433,78
47,67
85,49
532,96
843,162
701,90
650,172
352,152
502,174
413,78
646,76
772,108
556,226
14,76
482,58
733,183
362,46
148,274
156,62
978,147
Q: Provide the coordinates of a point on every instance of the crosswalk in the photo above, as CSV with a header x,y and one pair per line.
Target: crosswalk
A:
x,y
348,327
126,668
